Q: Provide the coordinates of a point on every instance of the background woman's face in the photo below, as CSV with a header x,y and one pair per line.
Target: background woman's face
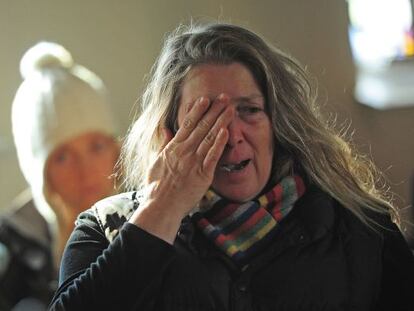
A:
x,y
245,165
79,169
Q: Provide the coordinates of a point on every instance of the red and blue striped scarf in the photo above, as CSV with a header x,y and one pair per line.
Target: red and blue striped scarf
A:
x,y
241,230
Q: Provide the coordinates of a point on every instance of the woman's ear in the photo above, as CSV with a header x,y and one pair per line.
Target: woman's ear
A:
x,y
167,135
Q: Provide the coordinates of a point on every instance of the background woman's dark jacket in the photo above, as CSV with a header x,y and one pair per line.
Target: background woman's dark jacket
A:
x,y
323,258
27,275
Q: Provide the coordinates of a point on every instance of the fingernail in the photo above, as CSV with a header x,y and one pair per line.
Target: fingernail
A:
x,y
223,97
201,99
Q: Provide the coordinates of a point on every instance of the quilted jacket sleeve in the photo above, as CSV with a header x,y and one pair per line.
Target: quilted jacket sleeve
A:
x,y
122,273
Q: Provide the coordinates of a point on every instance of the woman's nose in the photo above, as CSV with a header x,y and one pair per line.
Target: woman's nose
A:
x,y
235,133
85,166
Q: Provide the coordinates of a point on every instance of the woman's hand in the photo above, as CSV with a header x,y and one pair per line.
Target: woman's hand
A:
x,y
184,169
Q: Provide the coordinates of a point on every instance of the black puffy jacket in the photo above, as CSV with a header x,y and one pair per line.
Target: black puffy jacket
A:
x,y
323,258
28,277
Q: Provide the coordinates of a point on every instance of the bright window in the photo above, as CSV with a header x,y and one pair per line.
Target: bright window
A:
x,y
382,42
380,30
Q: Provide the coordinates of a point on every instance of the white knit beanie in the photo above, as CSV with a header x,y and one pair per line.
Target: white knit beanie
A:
x,y
58,100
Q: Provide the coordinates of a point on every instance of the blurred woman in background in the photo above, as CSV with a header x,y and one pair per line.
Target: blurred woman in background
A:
x,y
66,146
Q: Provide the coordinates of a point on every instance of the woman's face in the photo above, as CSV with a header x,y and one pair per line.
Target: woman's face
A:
x,y
245,165
79,169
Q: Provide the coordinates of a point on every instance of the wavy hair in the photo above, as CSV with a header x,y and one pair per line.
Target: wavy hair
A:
x,y
304,141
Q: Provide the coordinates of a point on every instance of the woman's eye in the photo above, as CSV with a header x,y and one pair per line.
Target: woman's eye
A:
x,y
62,157
252,110
98,146
249,111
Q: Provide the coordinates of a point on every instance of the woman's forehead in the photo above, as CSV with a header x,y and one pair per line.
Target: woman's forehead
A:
x,y
211,80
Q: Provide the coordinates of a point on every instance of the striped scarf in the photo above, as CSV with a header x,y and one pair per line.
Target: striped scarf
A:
x,y
243,230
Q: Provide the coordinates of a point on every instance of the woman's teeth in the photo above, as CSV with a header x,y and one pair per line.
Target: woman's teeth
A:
x,y
234,167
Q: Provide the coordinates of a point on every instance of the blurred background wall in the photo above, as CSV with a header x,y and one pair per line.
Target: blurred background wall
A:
x,y
119,40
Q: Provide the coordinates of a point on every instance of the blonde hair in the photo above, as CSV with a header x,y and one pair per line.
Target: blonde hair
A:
x,y
305,144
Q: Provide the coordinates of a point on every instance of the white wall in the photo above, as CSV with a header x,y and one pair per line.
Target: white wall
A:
x,y
120,39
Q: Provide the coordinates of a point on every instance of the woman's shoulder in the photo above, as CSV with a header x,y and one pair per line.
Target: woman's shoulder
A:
x,y
319,209
376,227
23,218
110,213
377,221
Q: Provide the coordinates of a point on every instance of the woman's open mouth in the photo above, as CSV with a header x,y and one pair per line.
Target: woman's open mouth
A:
x,y
233,167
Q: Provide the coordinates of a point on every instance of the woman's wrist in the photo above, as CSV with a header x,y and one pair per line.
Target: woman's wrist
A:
x,y
160,221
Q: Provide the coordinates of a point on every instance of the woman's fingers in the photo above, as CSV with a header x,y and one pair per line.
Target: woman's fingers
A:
x,y
210,138
198,143
214,153
201,118
203,130
192,118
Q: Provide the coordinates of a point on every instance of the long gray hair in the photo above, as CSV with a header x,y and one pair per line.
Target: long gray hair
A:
x,y
304,143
